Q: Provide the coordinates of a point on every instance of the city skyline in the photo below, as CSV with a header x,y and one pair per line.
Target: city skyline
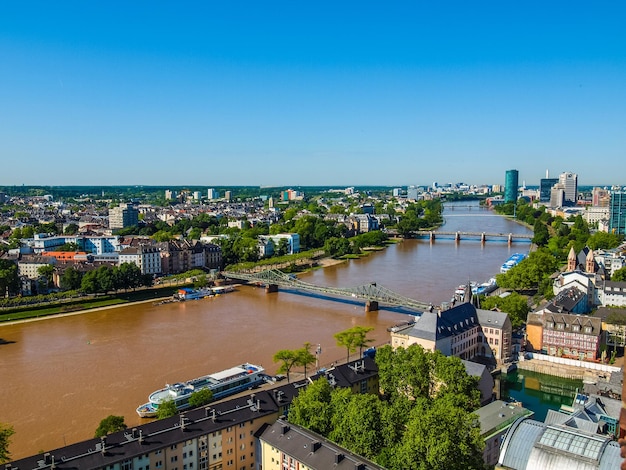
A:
x,y
323,94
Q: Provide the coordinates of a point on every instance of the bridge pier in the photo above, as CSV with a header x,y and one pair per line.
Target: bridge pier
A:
x,y
510,238
371,306
483,238
457,237
269,288
431,236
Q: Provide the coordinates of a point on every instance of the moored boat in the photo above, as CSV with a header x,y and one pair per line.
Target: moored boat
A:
x,y
222,384
513,260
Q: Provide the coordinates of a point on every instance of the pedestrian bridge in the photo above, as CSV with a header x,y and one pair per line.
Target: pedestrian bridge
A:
x,y
372,293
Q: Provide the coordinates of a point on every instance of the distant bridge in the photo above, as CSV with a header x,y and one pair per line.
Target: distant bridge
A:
x,y
371,293
482,236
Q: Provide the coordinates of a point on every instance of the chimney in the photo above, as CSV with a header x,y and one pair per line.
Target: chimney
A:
x,y
338,458
359,466
284,429
140,436
47,459
316,445
134,433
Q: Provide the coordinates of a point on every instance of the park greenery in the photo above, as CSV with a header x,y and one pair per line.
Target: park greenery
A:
x,y
109,425
554,237
422,420
6,432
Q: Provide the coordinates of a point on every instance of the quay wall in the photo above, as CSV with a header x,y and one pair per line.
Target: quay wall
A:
x,y
563,367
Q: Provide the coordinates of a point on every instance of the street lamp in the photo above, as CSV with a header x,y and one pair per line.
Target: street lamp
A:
x,y
318,353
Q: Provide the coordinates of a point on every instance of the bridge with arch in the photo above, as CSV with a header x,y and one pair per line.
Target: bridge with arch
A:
x,y
373,294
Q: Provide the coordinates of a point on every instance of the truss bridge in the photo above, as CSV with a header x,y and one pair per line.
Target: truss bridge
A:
x,y
373,294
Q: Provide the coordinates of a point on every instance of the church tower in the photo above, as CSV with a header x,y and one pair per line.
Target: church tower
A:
x,y
571,260
590,264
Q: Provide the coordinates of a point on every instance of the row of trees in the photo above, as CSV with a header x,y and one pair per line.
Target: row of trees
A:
x,y
109,278
422,421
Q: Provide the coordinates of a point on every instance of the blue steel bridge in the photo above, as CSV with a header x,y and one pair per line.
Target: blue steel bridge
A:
x,y
373,294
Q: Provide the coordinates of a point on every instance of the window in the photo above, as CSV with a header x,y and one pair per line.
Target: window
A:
x,y
560,326
587,329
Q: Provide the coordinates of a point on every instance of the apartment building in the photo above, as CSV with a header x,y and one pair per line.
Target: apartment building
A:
x,y
219,436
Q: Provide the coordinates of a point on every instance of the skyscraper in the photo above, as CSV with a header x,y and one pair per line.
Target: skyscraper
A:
x,y
570,185
617,212
125,215
511,184
545,185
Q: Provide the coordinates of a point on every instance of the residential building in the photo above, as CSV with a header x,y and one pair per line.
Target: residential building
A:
x,y
125,215
227,196
212,194
220,436
495,419
147,258
363,223
564,335
284,445
617,212
511,185
462,331
292,242
28,265
178,256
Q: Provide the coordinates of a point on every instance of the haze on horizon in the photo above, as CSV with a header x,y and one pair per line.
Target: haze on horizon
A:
x,y
284,93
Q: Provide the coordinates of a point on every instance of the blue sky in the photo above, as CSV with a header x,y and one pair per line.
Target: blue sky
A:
x,y
311,93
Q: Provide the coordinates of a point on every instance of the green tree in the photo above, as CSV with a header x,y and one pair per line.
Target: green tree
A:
x,y
439,436
201,397
110,424
9,281
311,407
70,279
515,304
71,229
6,432
354,338
166,409
619,275
305,357
289,358
361,340
106,279
357,422
346,339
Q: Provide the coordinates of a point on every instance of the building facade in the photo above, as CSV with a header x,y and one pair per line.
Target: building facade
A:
x,y
511,185
617,212
570,187
462,331
545,187
122,216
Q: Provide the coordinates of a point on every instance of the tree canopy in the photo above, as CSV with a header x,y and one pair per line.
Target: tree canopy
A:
x,y
424,421
109,425
6,432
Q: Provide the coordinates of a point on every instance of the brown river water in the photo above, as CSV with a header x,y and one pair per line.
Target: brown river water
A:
x,y
60,376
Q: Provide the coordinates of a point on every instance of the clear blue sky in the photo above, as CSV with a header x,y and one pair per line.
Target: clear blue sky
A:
x,y
311,93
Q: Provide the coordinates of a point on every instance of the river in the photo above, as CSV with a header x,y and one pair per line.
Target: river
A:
x,y
61,376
